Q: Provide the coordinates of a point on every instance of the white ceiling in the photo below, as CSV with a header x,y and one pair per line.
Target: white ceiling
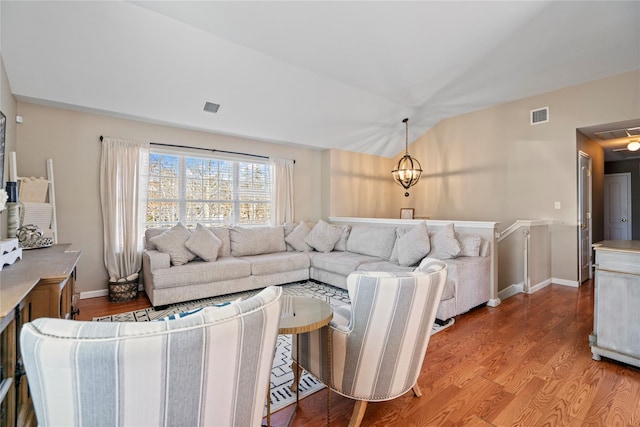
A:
x,y
319,74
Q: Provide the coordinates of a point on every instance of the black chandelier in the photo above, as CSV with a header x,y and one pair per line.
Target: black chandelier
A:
x,y
408,171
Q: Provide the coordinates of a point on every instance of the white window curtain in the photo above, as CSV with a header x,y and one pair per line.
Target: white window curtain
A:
x,y
124,170
282,208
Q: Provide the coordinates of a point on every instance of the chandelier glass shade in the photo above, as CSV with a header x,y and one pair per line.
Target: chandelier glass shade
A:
x,y
408,171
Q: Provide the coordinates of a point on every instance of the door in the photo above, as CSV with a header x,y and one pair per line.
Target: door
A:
x,y
584,216
617,206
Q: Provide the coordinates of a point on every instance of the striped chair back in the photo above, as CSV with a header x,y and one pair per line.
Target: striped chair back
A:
x,y
379,342
210,368
389,329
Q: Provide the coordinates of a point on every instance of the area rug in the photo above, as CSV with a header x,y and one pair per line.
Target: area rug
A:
x,y
281,374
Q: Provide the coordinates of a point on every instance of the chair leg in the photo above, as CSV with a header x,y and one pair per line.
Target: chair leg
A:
x,y
416,390
358,413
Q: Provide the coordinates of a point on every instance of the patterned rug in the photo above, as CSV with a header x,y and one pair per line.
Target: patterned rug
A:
x,y
281,374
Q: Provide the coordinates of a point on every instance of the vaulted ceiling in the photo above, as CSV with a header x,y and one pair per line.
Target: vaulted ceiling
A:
x,y
319,74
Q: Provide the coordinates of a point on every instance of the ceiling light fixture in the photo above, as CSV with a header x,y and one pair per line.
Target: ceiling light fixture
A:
x,y
408,171
633,146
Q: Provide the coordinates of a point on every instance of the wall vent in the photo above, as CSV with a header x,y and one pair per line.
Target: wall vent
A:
x,y
211,107
541,115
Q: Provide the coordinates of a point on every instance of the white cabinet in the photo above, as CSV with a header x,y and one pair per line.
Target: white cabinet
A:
x,y
616,315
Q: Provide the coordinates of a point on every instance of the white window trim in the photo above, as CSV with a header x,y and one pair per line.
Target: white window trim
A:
x,y
184,153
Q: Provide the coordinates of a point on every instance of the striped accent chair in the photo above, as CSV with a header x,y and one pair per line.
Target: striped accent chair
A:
x,y
379,342
208,369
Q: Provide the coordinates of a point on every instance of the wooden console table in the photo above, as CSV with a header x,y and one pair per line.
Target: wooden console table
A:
x,y
40,285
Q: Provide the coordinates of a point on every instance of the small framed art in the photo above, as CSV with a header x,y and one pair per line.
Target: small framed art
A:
x,y
406,213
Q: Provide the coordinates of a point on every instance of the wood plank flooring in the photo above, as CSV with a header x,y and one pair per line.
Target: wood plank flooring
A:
x,y
526,362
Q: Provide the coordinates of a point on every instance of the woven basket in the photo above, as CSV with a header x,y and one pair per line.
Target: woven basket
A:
x,y
123,291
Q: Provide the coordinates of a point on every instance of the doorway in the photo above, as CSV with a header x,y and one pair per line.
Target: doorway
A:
x,y
617,206
584,216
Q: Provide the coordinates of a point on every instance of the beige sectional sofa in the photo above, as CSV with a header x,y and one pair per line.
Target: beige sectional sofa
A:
x,y
244,258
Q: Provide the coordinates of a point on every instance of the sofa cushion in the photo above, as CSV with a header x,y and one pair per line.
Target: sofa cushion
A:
x,y
371,240
469,244
256,240
204,243
413,245
444,244
172,242
296,238
341,244
198,272
383,266
280,262
342,263
323,236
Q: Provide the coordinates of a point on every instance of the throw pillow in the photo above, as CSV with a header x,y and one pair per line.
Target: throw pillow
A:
x,y
400,231
296,238
323,236
288,228
469,244
172,242
341,244
222,233
413,246
204,243
444,244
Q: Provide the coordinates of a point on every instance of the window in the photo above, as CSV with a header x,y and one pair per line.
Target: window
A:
x,y
207,190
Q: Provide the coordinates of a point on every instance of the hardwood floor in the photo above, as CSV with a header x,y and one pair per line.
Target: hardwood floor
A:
x,y
526,362
98,307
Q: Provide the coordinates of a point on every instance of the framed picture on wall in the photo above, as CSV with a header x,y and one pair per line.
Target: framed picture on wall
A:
x,y
3,125
406,213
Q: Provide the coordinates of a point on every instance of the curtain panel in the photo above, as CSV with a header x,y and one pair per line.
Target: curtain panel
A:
x,y
282,209
124,171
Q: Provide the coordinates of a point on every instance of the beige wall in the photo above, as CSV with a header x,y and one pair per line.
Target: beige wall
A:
x,y
492,165
359,185
71,139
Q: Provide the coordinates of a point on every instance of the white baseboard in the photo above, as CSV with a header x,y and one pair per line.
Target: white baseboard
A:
x,y
511,290
519,287
102,293
563,282
94,294
494,302
541,285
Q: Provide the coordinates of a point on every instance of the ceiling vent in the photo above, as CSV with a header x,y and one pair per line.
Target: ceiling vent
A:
x,y
618,133
211,107
540,115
